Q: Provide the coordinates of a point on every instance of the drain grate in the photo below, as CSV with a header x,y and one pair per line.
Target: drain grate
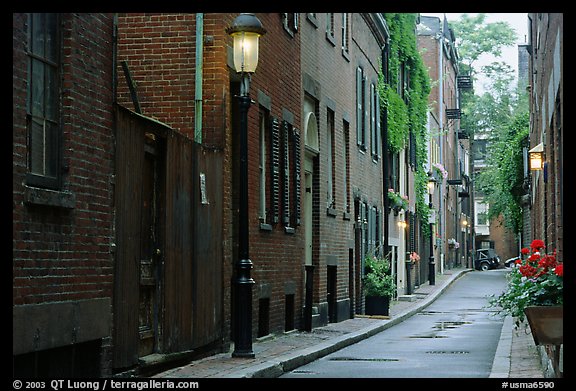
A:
x,y
448,352
362,359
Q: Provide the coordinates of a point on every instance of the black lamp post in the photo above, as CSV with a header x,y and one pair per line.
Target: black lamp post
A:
x,y
246,29
431,263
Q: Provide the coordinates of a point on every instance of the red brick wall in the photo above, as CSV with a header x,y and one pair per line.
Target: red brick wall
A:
x,y
547,116
276,255
160,50
335,74
63,254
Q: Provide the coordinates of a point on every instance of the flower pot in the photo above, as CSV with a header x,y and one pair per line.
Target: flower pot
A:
x,y
546,323
377,305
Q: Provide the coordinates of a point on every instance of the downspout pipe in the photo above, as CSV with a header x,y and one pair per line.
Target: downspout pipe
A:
x,y
198,78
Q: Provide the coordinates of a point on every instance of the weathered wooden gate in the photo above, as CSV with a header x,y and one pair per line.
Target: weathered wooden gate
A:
x,y
168,293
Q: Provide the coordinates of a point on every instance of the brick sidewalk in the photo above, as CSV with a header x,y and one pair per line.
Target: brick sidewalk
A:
x,y
524,359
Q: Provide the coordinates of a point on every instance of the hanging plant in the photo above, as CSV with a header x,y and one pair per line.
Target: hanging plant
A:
x,y
397,201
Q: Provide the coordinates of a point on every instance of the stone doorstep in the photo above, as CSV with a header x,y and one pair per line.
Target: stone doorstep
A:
x,y
407,298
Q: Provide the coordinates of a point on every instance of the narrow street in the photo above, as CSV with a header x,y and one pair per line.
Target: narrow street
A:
x,y
456,336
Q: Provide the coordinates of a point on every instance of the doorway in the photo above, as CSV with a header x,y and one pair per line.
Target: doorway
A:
x,y
150,251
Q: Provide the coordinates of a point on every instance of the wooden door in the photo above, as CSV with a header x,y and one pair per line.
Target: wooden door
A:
x,y
150,252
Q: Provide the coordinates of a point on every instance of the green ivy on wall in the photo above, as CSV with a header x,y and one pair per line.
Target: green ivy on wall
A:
x,y
407,76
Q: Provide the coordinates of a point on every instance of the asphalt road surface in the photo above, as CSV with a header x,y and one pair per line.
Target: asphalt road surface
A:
x,y
454,337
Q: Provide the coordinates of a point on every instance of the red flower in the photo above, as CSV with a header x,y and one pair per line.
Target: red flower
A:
x,y
534,257
527,270
518,262
559,270
547,262
525,251
537,244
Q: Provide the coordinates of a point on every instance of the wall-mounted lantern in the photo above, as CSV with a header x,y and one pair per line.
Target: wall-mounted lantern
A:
x,y
536,156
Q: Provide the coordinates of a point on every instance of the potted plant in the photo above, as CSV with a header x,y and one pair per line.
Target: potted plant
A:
x,y
379,285
397,201
535,292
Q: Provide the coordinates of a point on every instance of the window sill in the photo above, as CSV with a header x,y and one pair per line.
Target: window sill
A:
x,y
331,212
330,38
265,227
45,197
345,54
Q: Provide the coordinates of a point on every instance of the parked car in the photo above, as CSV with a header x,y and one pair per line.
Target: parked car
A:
x,y
486,259
510,261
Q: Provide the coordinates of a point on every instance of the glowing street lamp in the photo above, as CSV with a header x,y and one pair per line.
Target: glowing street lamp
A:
x,y
246,29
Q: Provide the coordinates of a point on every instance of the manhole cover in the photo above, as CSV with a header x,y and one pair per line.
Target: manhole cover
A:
x,y
362,359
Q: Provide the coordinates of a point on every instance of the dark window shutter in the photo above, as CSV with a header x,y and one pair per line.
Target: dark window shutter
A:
x,y
378,231
359,106
412,149
286,187
378,138
412,223
275,169
296,180
373,119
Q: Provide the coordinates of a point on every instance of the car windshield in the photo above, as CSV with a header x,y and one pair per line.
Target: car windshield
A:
x,y
486,253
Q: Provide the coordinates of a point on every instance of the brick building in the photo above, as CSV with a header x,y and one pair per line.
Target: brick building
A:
x,y
546,186
546,114
161,53
62,193
342,155
449,145
288,151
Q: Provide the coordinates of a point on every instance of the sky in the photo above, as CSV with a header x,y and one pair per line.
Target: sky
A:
x,y
518,21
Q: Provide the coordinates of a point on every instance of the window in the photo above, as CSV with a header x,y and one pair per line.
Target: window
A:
x,y
360,108
330,27
43,101
345,35
330,166
403,81
385,64
290,22
394,170
374,121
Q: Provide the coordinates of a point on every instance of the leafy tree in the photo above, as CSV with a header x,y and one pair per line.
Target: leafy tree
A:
x,y
474,38
502,181
499,116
